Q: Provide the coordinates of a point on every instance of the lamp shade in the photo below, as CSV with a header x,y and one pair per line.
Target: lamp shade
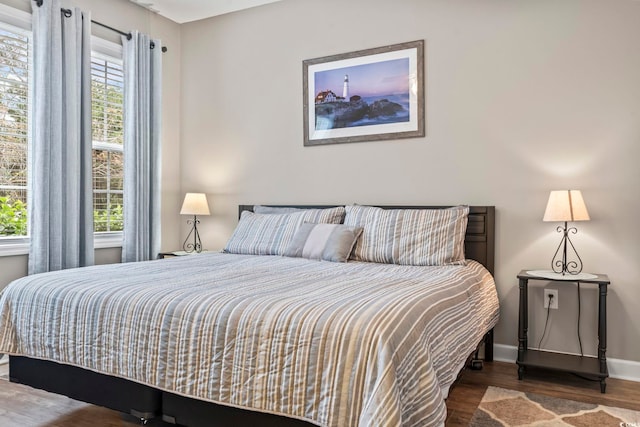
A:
x,y
195,204
566,205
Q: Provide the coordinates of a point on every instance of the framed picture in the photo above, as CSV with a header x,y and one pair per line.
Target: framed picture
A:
x,y
368,95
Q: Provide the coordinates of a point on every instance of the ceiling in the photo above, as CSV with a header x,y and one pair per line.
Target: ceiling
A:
x,y
182,11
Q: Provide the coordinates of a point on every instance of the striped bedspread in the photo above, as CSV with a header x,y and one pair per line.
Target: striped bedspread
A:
x,y
336,344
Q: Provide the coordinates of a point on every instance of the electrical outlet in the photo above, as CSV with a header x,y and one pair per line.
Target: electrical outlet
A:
x,y
554,298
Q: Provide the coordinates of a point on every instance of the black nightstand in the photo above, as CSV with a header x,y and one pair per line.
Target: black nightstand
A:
x,y
582,365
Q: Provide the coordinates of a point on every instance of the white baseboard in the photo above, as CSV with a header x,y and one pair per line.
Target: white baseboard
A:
x,y
505,353
618,368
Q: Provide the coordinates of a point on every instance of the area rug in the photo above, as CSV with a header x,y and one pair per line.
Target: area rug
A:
x,y
501,407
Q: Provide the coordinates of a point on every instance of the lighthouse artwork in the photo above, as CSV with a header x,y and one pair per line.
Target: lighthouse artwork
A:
x,y
381,95
364,96
345,88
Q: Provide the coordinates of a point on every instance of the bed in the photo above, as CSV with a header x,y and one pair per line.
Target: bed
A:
x,y
199,345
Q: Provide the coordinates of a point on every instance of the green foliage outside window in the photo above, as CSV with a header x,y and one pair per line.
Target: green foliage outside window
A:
x,y
105,220
13,217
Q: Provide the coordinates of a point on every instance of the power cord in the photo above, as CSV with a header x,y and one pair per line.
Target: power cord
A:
x,y
546,322
580,340
579,310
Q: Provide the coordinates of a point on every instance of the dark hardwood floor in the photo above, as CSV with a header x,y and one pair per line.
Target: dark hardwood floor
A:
x,y
24,406
468,390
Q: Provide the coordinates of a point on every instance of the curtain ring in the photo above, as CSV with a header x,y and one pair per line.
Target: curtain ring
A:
x,y
67,13
152,45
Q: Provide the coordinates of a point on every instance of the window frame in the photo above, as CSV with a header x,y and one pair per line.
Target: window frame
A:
x,y
18,20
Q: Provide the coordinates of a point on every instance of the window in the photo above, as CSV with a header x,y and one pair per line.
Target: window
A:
x,y
14,124
107,134
107,111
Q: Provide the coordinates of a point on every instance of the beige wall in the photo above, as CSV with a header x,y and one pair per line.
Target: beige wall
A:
x,y
125,16
523,97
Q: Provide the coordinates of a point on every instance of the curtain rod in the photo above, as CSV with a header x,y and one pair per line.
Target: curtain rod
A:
x,y
68,13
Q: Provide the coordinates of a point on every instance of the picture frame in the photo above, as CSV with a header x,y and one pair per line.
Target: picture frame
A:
x,y
367,95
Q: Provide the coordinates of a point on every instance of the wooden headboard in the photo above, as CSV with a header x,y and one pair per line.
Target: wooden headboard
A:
x,y
479,242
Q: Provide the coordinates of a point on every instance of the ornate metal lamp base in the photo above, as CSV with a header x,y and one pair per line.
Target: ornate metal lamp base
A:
x,y
560,263
196,245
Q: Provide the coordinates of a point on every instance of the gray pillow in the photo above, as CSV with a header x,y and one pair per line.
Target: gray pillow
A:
x,y
327,242
260,234
260,209
271,210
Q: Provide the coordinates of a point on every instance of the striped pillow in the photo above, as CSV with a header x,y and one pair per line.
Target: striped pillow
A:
x,y
260,209
327,242
271,234
409,236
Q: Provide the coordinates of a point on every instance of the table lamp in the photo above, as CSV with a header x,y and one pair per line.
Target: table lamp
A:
x,y
194,204
565,206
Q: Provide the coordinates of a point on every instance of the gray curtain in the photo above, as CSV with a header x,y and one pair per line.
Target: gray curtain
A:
x,y
142,114
61,199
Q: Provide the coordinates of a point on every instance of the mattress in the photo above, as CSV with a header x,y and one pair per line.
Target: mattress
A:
x,y
335,344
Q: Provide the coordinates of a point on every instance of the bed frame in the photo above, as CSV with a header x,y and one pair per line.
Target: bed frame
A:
x,y
146,402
